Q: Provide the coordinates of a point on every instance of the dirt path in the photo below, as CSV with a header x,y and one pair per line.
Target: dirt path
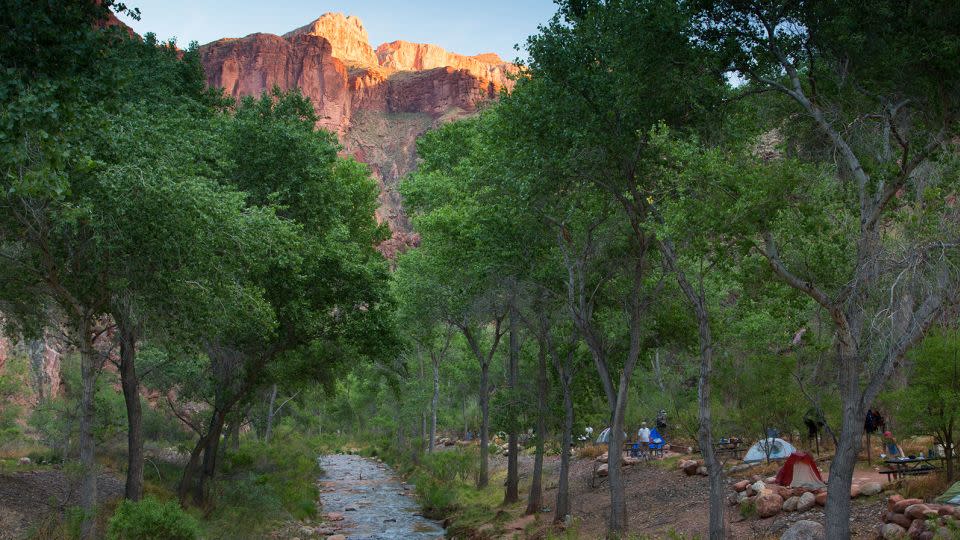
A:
x,y
27,498
372,502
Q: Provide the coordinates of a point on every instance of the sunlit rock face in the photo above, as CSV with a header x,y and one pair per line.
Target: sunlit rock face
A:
x,y
377,101
346,35
406,56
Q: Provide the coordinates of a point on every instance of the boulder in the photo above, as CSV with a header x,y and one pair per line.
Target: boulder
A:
x,y
741,496
603,458
899,519
334,516
741,485
804,530
690,468
24,460
806,502
916,528
602,470
928,535
821,498
758,486
919,511
902,504
783,491
892,500
892,531
702,471
854,491
870,489
629,461
770,480
768,504
945,511
790,505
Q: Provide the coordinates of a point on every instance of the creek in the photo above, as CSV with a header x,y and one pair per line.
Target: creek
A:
x,y
374,502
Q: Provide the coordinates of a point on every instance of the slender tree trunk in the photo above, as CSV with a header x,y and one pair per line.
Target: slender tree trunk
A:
x,y
563,485
484,478
618,501
131,396
190,470
270,412
89,366
948,455
210,455
435,402
698,302
512,493
837,523
535,498
466,427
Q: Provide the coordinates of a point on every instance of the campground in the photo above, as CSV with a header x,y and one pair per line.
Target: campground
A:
x,y
664,502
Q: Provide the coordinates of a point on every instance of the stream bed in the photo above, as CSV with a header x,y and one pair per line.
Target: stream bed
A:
x,y
373,501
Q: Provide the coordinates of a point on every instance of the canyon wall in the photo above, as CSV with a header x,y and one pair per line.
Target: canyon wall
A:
x,y
377,101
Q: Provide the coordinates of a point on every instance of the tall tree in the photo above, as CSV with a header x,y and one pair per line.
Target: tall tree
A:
x,y
882,105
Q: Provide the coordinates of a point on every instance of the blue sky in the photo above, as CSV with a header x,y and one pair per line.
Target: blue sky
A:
x,y
463,27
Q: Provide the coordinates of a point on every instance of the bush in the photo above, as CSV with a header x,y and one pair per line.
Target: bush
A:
x,y
151,519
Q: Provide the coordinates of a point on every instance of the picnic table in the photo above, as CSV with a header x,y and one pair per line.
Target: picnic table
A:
x,y
902,467
729,447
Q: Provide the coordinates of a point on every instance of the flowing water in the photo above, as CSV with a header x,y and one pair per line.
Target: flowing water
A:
x,y
374,503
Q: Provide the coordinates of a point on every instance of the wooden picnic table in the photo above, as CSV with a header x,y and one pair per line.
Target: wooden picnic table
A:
x,y
731,447
901,467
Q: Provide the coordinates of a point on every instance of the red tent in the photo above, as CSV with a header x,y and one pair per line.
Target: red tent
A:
x,y
800,470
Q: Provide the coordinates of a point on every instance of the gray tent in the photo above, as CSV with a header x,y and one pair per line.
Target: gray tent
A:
x,y
604,437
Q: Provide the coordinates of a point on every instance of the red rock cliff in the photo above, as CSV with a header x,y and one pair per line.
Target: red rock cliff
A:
x,y
378,104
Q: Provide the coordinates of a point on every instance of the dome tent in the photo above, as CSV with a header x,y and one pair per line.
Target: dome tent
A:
x,y
777,449
604,437
800,470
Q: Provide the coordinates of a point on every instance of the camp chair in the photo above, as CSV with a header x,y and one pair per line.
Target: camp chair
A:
x,y
656,443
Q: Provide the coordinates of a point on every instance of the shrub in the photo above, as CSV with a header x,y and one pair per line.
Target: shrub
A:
x,y
151,519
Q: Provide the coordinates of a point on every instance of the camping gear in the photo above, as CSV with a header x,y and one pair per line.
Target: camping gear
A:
x,y
604,437
951,495
778,449
656,442
800,470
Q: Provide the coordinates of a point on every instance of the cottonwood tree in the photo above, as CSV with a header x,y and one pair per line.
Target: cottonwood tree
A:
x,y
601,75
877,92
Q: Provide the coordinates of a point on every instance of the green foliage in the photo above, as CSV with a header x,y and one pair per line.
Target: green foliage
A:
x,y
150,519
265,483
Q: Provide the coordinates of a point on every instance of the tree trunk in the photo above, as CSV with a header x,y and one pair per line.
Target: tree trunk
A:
x,y
948,455
131,396
698,302
512,493
89,365
837,511
435,402
563,484
190,470
210,455
535,498
270,412
617,525
466,426
484,478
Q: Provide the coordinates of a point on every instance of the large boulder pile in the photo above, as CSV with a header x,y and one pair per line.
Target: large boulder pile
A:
x,y
914,519
769,498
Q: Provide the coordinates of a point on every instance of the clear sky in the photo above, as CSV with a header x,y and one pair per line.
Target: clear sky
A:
x,y
462,27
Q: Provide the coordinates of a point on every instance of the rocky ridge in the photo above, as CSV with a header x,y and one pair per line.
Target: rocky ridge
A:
x,y
377,101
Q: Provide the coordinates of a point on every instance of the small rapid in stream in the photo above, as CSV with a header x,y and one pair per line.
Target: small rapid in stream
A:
x,y
374,502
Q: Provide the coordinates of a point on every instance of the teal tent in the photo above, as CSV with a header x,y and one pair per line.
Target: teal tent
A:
x,y
951,496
